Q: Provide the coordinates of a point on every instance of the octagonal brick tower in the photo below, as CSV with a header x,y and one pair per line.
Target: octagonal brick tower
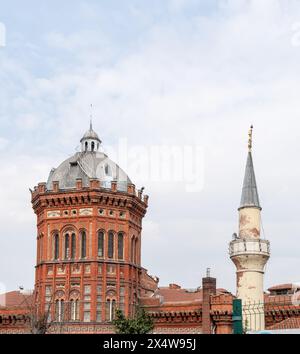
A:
x,y
89,223
249,252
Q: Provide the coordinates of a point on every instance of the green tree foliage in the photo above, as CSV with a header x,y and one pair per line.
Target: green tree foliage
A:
x,y
141,323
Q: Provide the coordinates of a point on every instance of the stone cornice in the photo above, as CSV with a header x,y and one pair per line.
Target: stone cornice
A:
x,y
88,197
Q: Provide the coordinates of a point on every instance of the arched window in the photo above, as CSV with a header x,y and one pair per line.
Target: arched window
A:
x,y
62,306
110,309
83,244
93,146
77,310
67,246
59,310
100,244
73,246
71,309
86,145
136,250
56,246
113,309
110,244
133,249
120,245
57,306
107,310
74,307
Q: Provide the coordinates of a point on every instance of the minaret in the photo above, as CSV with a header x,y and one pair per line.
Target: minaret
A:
x,y
249,252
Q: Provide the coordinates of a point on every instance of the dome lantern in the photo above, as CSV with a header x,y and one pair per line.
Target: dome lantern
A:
x,y
90,141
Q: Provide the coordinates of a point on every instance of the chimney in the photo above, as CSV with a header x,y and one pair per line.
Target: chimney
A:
x,y
208,289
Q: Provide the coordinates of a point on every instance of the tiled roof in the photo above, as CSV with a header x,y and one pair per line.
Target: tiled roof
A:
x,y
289,323
179,295
281,287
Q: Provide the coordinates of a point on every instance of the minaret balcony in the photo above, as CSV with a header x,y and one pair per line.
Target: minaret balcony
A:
x,y
239,247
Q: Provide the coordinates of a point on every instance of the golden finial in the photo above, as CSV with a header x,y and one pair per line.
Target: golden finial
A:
x,y
250,138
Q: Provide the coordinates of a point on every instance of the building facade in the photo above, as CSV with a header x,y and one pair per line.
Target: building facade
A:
x,y
89,222
88,264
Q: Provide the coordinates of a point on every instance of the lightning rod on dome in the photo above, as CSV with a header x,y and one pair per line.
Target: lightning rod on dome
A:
x,y
91,117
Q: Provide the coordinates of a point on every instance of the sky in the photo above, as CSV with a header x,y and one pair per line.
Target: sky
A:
x,y
191,74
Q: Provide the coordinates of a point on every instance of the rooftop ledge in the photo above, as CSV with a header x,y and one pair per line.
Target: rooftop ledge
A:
x,y
111,186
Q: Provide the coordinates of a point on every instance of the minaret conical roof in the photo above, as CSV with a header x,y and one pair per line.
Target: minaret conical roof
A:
x,y
249,193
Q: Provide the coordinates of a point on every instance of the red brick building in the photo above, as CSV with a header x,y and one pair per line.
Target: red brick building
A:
x,y
89,221
88,263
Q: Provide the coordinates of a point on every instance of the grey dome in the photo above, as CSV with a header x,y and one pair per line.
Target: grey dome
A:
x,y
87,164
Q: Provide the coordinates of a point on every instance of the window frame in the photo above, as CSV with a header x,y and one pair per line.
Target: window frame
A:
x,y
111,244
56,246
100,237
83,248
120,246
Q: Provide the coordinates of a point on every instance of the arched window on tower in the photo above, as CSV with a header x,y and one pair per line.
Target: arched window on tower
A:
x,y
113,309
56,246
93,146
73,246
100,244
120,245
133,251
107,310
83,244
74,310
110,309
136,250
86,146
59,310
110,245
67,246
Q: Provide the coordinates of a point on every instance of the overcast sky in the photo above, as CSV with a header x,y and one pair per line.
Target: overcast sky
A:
x,y
193,73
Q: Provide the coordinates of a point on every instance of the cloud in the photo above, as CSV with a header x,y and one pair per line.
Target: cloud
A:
x,y
3,143
202,79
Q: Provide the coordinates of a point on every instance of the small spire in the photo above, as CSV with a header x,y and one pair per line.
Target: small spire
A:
x,y
250,138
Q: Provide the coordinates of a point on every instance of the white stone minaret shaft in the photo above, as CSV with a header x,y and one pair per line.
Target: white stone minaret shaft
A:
x,y
249,252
